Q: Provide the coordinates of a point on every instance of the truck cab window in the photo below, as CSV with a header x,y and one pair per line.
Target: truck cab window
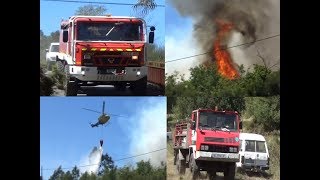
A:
x,y
108,31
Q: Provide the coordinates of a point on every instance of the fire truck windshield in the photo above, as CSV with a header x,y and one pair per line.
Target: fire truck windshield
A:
x,y
109,31
217,121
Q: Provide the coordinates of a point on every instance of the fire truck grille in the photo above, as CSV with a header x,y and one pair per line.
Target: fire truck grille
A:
x,y
213,139
110,61
222,149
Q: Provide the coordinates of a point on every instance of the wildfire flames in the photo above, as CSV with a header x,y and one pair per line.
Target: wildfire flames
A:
x,y
222,56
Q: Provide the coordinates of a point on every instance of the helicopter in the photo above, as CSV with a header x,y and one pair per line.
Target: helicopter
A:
x,y
103,118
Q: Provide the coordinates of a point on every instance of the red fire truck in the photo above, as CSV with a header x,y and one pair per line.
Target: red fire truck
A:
x,y
104,50
209,141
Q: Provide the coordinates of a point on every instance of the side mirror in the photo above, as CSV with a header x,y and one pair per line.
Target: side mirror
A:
x,y
240,125
151,37
65,36
47,50
151,34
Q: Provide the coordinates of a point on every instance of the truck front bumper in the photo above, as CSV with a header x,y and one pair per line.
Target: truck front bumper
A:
x,y
252,167
84,73
215,156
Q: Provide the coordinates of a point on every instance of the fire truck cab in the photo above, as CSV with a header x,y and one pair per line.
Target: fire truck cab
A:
x,y
209,141
104,50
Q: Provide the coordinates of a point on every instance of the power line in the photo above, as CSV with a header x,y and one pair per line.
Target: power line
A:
x,y
223,48
96,2
113,160
140,154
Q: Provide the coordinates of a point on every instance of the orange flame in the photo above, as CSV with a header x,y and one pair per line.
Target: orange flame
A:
x,y
222,56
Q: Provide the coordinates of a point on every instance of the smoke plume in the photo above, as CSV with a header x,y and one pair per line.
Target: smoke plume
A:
x,y
251,20
93,158
148,132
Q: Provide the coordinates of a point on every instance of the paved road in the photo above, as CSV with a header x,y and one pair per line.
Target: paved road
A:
x,y
109,90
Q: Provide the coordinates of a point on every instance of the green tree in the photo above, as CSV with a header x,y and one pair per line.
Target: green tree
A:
x,y
67,176
265,112
145,6
57,174
207,81
144,168
109,174
126,173
84,176
91,10
106,164
75,173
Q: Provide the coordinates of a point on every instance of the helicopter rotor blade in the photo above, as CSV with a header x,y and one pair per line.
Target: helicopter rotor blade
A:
x,y
92,110
103,108
117,115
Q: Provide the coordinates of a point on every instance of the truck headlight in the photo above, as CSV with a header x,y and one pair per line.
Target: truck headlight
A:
x,y
134,57
204,147
233,149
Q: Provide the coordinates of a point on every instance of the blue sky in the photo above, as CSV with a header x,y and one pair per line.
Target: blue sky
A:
x,y
51,14
66,137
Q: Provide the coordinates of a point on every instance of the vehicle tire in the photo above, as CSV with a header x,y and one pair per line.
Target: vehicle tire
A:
x,y
195,171
181,166
139,87
212,175
60,66
71,88
230,171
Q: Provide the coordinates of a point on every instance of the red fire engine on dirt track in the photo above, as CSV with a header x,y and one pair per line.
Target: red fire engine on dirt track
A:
x,y
104,50
209,141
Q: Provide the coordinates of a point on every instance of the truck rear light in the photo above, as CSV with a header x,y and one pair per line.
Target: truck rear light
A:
x,y
268,163
242,159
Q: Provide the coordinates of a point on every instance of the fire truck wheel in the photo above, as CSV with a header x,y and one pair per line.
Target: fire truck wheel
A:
x,y
139,87
195,171
230,171
71,88
212,174
181,166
